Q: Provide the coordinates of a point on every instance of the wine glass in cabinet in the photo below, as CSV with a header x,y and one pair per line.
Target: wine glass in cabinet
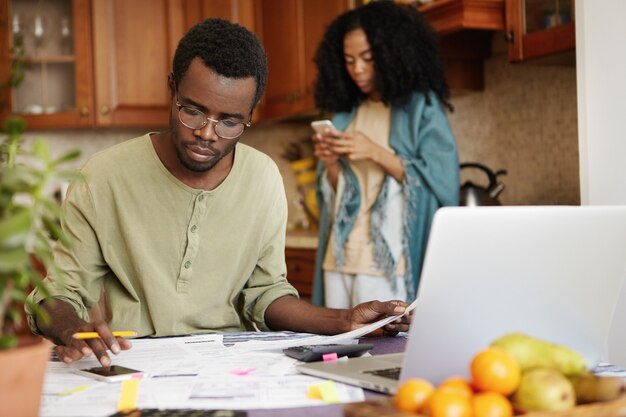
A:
x,y
49,53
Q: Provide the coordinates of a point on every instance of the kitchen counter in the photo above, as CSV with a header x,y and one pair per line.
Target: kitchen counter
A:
x,y
301,239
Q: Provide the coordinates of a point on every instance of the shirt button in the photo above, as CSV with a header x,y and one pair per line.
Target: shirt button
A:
x,y
194,228
201,197
187,264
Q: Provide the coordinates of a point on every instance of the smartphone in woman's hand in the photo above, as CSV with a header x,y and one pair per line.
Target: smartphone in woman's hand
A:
x,y
320,126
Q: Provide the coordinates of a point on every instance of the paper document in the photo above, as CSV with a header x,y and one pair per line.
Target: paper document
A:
x,y
200,372
322,340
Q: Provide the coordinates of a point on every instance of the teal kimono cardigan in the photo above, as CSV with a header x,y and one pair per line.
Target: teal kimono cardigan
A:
x,y
422,138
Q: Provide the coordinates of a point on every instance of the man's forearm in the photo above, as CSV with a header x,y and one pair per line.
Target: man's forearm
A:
x,y
62,321
291,313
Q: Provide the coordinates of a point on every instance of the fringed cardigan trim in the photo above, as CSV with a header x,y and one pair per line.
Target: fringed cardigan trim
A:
x,y
422,138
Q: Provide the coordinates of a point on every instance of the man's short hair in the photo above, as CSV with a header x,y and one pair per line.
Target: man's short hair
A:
x,y
227,48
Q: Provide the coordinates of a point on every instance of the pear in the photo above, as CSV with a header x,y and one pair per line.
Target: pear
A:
x,y
544,389
591,388
531,353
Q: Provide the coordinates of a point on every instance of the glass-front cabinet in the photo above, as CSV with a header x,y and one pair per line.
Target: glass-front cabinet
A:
x,y
537,28
49,47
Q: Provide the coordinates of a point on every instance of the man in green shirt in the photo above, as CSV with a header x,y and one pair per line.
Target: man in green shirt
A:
x,y
184,230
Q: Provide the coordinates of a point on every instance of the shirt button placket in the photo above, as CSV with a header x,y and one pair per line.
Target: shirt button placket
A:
x,y
192,246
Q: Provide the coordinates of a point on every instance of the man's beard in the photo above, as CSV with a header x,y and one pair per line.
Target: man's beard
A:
x,y
196,166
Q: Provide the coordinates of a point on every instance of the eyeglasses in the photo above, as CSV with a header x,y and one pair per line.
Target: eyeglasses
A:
x,y
195,119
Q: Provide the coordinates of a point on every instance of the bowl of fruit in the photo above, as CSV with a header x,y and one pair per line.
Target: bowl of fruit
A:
x,y
517,374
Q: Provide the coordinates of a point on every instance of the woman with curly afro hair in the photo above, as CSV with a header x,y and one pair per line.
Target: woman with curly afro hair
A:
x,y
391,160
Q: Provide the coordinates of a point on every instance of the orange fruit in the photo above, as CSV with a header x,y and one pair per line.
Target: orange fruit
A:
x,y
491,404
412,394
449,402
459,383
495,370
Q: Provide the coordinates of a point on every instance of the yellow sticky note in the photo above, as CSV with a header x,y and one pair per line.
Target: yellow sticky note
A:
x,y
329,392
313,392
128,395
74,390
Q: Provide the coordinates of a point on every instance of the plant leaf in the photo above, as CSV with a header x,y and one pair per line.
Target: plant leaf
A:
x,y
67,157
42,150
14,125
52,207
14,228
8,341
12,260
55,230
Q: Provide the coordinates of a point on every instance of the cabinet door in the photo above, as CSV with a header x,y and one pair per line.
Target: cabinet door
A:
x,y
56,91
134,43
238,11
291,31
538,28
300,270
282,36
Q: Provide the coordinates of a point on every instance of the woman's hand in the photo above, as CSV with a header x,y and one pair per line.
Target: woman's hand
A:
x,y
356,146
323,150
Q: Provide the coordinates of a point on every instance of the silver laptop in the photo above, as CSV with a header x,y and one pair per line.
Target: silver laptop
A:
x,y
554,272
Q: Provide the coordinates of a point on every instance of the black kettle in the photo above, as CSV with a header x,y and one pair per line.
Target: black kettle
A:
x,y
475,195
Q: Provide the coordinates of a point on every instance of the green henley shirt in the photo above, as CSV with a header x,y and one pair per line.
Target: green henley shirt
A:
x,y
173,260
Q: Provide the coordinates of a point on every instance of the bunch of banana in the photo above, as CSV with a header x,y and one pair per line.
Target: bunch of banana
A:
x,y
554,377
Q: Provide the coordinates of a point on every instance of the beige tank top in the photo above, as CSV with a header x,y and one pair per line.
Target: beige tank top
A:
x,y
374,120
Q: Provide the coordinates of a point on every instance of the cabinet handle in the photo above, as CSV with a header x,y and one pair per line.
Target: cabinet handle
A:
x,y
104,110
84,111
509,36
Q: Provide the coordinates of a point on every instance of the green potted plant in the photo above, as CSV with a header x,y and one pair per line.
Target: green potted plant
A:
x,y
29,227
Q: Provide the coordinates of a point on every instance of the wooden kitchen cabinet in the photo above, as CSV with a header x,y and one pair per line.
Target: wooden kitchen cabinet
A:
x,y
465,29
291,31
242,12
134,43
57,89
539,28
114,74
300,270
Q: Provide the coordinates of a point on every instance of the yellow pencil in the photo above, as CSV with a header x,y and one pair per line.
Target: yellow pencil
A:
x,y
95,335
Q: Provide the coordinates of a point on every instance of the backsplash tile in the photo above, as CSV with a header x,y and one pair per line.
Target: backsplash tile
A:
x,y
525,122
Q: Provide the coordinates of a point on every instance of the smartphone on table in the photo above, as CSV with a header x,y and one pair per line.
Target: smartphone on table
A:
x,y
320,126
111,373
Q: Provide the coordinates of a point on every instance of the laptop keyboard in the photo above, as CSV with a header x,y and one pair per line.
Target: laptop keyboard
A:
x,y
391,373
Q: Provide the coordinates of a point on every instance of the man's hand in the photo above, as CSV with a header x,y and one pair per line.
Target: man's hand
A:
x,y
75,349
291,313
371,311
64,323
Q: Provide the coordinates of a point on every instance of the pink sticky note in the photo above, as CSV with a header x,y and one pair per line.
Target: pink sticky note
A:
x,y
242,371
330,357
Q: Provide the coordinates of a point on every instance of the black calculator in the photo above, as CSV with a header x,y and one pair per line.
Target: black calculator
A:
x,y
313,353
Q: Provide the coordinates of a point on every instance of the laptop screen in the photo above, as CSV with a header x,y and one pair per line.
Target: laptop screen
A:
x,y
553,272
